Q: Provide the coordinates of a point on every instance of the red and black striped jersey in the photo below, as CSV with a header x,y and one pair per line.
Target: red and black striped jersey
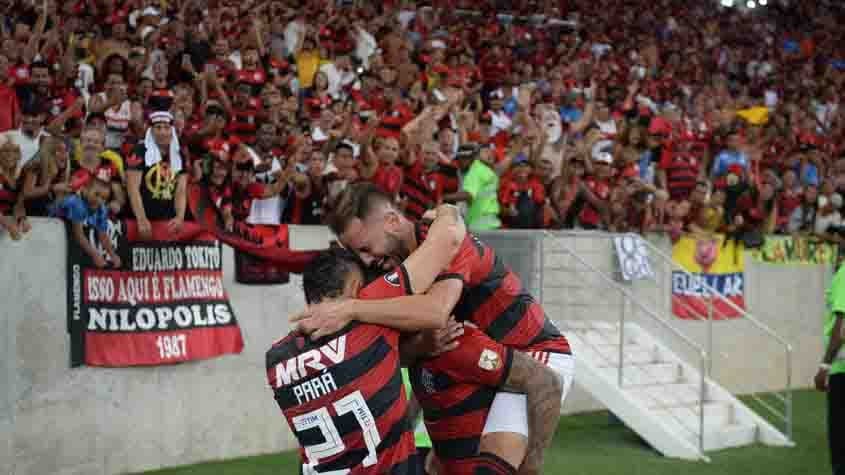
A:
x,y
422,190
344,400
454,389
495,300
447,173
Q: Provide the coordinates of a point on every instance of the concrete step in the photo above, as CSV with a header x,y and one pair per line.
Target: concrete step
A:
x,y
645,374
601,337
663,396
605,356
732,435
583,325
716,416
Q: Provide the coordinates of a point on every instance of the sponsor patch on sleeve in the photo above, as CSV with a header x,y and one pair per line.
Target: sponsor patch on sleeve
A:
x,y
489,360
392,279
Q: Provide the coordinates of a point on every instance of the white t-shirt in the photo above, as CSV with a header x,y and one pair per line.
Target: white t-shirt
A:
x,y
823,222
269,210
29,145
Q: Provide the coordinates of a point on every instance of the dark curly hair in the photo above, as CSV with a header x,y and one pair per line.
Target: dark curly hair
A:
x,y
326,275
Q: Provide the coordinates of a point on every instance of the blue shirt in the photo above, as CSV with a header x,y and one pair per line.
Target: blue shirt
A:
x,y
646,172
570,114
76,210
511,106
809,175
725,159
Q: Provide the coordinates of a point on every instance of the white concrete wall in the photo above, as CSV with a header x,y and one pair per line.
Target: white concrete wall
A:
x,y
56,420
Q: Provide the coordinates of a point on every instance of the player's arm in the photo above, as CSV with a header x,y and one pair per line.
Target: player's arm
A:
x,y
441,245
544,390
414,312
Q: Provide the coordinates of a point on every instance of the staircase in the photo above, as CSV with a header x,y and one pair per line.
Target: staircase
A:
x,y
660,397
671,403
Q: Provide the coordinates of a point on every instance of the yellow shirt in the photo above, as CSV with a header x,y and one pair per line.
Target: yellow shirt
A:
x,y
307,64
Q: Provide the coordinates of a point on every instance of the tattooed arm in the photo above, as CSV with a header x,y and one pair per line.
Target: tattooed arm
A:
x,y
544,390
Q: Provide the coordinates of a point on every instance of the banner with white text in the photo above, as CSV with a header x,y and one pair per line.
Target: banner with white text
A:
x,y
164,304
711,262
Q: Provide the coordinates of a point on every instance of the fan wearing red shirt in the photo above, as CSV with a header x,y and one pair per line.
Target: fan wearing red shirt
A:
x,y
220,62
522,197
596,192
495,67
57,98
91,165
681,163
10,110
252,72
245,113
218,183
422,187
790,198
380,166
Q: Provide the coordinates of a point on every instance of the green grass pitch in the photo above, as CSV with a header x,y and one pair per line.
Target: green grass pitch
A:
x,y
590,444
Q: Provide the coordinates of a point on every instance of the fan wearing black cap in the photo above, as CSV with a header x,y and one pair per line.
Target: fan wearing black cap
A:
x,y
156,178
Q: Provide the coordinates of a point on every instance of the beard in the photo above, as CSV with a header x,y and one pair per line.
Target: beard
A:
x,y
397,251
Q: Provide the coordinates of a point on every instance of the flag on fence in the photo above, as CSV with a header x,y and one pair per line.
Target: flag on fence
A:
x,y
796,250
165,304
264,255
711,262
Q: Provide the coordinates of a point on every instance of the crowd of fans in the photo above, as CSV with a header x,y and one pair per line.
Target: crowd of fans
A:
x,y
619,115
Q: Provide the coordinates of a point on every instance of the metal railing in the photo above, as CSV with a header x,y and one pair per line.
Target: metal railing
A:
x,y
785,396
629,299
663,294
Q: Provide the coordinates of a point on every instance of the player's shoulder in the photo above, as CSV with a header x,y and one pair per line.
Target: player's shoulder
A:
x,y
474,244
285,347
396,283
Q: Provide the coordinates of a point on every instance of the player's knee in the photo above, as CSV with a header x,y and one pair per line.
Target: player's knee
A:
x,y
510,447
489,464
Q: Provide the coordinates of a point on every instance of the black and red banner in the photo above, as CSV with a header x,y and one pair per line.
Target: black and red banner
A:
x,y
262,253
165,304
254,270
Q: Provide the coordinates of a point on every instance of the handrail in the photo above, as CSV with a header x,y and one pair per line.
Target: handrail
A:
x,y
713,294
615,286
787,399
627,297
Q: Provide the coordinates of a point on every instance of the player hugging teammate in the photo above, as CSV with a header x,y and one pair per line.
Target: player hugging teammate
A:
x,y
488,368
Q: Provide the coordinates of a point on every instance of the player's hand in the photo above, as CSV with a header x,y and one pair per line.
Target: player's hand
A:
x,y
323,319
448,222
446,338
